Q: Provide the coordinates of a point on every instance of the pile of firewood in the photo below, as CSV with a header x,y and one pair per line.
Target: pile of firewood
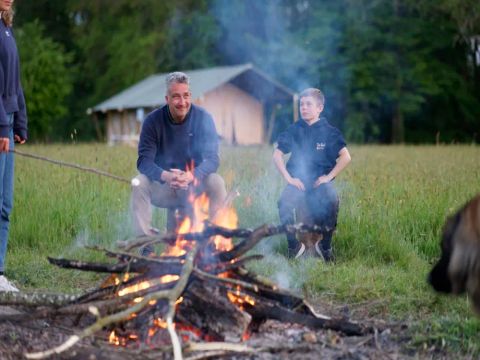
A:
x,y
201,295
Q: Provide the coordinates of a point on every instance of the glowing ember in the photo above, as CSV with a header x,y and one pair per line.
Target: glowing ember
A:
x,y
159,322
240,299
134,288
169,278
114,339
246,335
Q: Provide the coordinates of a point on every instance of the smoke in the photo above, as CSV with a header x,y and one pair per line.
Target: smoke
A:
x,y
259,32
287,274
117,227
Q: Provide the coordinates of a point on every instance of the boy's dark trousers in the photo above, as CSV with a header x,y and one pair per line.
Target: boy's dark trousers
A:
x,y
321,205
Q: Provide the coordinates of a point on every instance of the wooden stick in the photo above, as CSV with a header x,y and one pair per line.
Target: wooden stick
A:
x,y
224,267
257,235
140,265
218,346
35,299
206,276
127,256
172,296
265,231
266,309
170,238
213,230
75,166
256,278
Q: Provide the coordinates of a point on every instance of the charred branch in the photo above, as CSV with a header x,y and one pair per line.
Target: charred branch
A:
x,y
135,265
220,299
265,309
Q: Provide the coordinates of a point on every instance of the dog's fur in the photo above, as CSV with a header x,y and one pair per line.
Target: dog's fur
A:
x,y
458,269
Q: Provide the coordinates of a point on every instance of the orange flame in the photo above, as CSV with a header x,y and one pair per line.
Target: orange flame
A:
x,y
113,338
159,322
145,285
240,299
225,217
134,288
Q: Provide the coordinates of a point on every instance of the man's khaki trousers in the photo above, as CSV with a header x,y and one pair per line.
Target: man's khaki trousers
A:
x,y
146,193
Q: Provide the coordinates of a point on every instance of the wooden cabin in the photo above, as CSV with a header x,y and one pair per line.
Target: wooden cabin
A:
x,y
240,98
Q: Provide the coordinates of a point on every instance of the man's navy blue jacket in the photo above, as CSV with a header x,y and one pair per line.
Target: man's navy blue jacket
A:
x,y
314,149
10,89
166,145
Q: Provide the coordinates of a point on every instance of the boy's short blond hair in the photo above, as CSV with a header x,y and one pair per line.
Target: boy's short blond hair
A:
x,y
314,93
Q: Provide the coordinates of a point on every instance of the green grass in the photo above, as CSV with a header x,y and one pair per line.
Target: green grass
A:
x,y
394,200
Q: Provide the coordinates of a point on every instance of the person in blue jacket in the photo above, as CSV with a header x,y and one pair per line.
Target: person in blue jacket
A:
x,y
13,127
318,154
177,154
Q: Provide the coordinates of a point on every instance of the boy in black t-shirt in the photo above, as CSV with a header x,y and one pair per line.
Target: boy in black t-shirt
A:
x,y
318,155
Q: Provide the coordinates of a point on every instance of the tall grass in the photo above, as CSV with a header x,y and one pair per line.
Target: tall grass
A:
x,y
394,200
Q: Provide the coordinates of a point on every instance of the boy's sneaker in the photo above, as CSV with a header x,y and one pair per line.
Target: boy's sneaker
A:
x,y
325,255
328,256
6,285
297,252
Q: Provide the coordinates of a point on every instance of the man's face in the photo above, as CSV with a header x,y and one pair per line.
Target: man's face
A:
x,y
309,108
178,100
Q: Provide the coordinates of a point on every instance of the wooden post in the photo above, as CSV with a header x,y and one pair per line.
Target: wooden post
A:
x,y
295,107
98,130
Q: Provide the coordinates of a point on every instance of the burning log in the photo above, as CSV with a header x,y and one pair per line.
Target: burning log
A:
x,y
197,289
207,308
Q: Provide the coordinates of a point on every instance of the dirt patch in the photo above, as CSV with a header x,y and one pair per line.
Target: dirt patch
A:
x,y
272,340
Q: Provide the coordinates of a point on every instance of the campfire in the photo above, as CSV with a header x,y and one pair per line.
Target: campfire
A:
x,y
197,290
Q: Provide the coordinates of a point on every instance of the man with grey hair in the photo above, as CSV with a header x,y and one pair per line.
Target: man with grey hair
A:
x,y
177,154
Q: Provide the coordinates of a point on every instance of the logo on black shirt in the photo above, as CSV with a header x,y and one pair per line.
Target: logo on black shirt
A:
x,y
320,146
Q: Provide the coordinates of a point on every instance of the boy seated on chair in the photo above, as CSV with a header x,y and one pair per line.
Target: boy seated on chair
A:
x,y
318,154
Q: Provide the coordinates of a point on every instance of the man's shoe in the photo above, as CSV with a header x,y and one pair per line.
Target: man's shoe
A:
x,y
6,285
154,231
147,250
297,252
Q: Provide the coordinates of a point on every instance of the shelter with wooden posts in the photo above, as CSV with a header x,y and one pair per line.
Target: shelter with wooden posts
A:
x,y
242,100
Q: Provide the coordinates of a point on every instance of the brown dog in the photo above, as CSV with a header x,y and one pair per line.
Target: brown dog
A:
x,y
458,269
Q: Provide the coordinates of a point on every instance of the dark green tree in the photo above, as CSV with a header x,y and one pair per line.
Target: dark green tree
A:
x,y
385,63
119,43
46,80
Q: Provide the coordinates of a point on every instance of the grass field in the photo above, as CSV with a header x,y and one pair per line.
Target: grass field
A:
x,y
394,201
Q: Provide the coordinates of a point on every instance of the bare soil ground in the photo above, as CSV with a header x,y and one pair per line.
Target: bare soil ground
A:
x,y
272,340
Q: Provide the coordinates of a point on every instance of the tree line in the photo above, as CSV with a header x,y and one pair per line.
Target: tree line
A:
x,y
392,70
